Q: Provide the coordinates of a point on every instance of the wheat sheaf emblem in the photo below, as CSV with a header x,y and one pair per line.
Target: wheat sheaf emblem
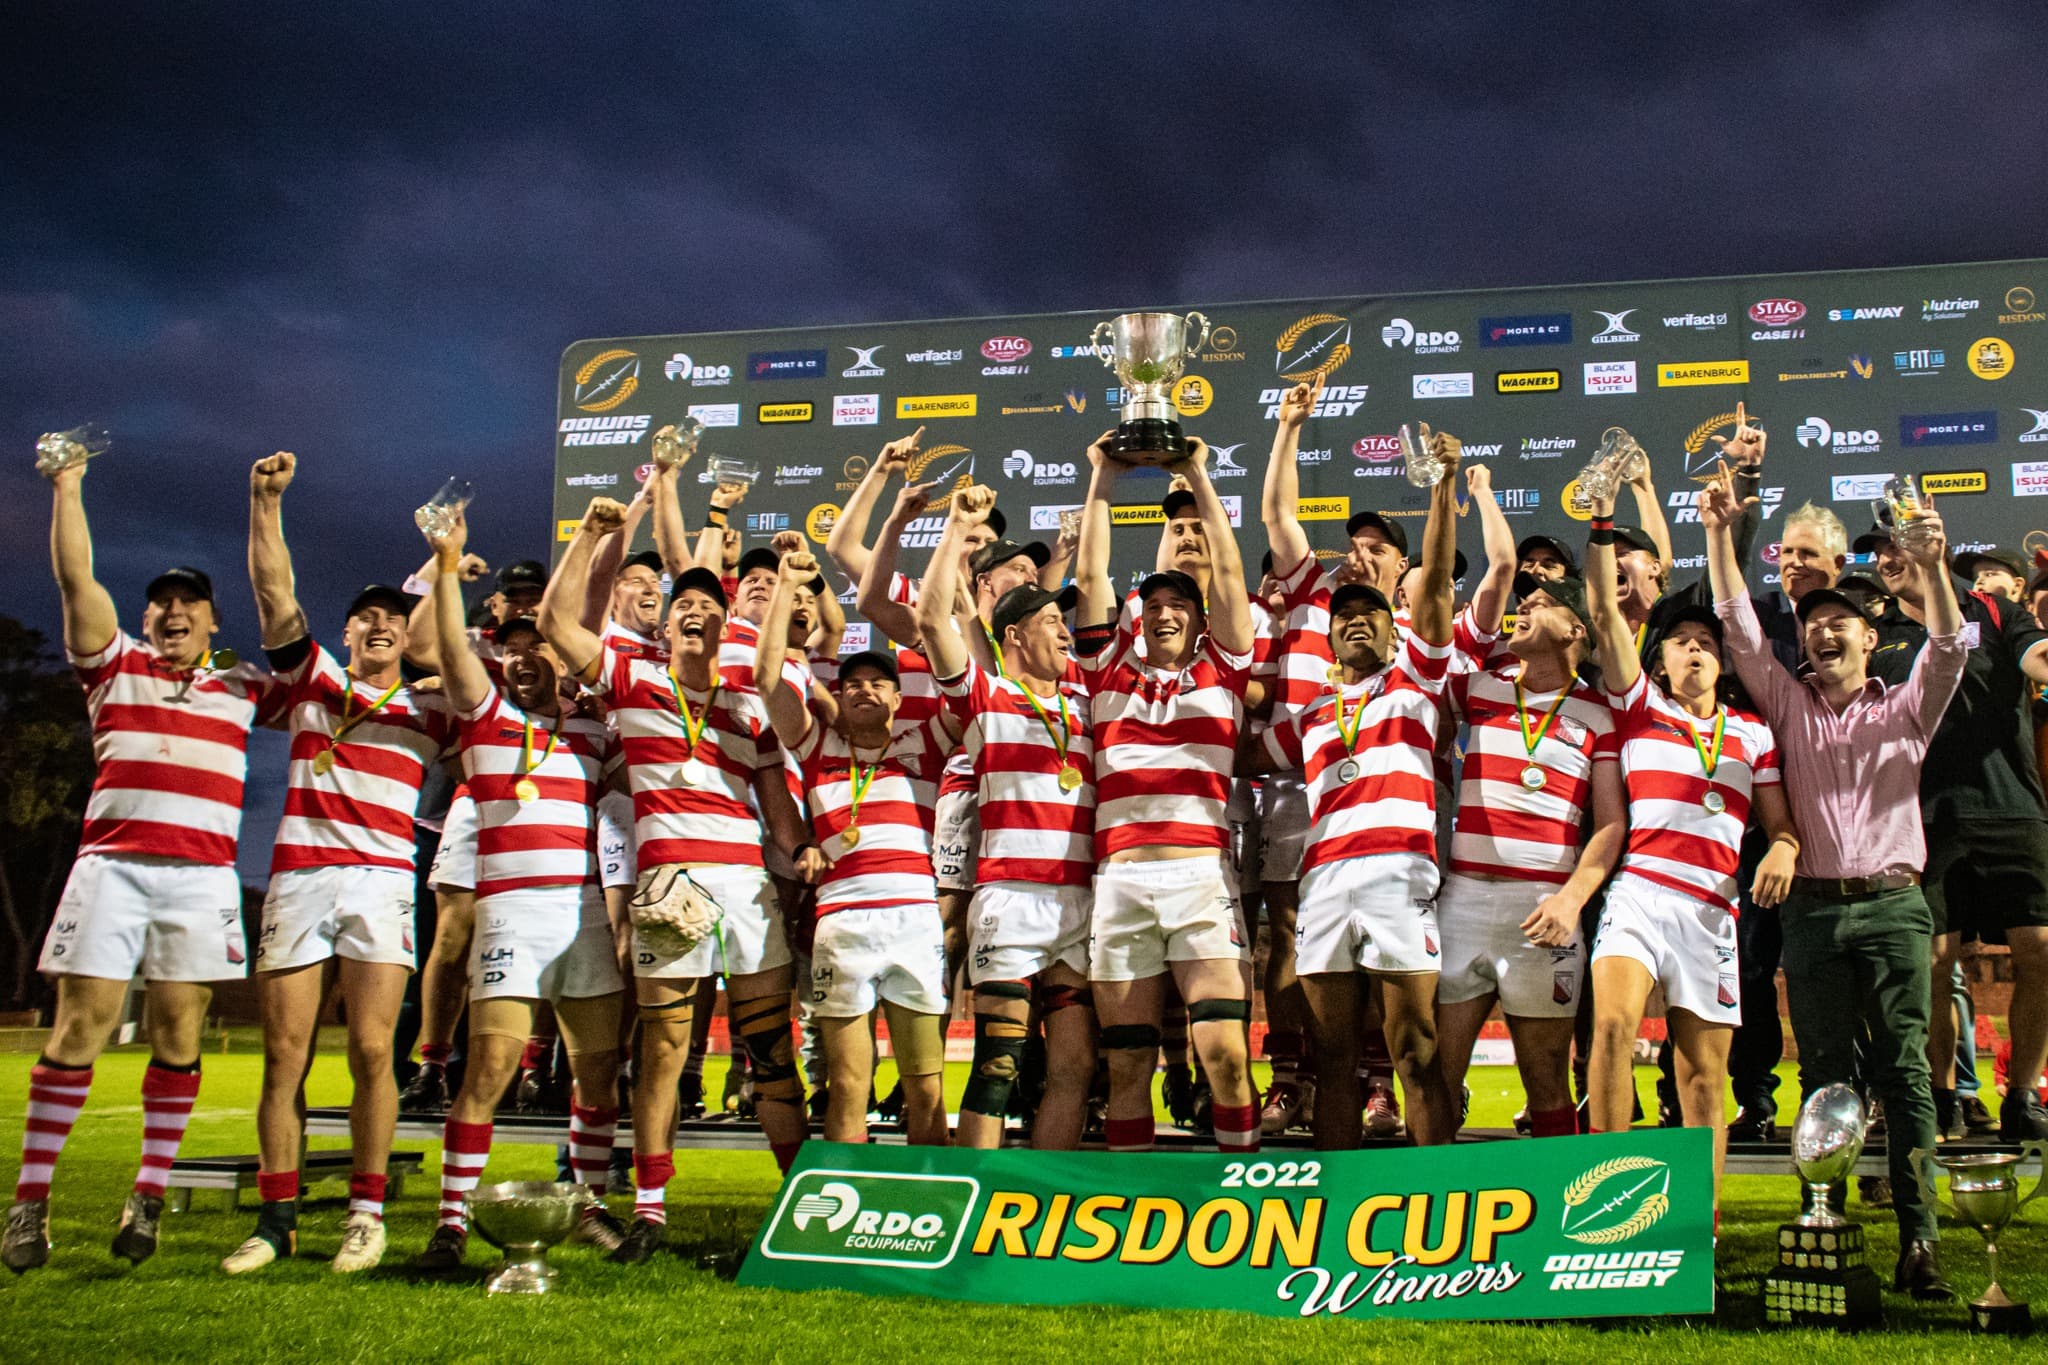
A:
x,y
1580,1192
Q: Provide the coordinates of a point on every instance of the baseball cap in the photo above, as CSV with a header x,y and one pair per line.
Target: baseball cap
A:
x,y
2038,581
523,573
1635,538
1361,521
701,579
997,522
1176,581
1817,598
193,580
1568,592
880,661
505,630
1870,540
1349,593
646,559
1967,562
1001,551
1550,543
1178,503
760,557
1698,612
1866,590
381,594
1025,600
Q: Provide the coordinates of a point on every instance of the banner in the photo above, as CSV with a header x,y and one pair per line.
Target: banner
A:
x,y
1940,371
1616,1225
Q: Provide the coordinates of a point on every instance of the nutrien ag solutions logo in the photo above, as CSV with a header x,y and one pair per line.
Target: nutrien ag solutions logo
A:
x,y
913,1222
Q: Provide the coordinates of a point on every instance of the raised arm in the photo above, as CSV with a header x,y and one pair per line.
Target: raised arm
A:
x,y
717,536
846,546
1432,615
1230,612
831,632
1096,597
1280,501
1053,576
462,673
90,621
278,614
1937,591
786,710
892,618
1650,513
1614,643
561,606
604,566
1490,597
1556,917
943,643
421,649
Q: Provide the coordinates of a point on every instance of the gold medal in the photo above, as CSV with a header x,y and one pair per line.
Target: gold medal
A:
x,y
323,762
1533,778
1714,802
527,790
687,773
850,836
1070,778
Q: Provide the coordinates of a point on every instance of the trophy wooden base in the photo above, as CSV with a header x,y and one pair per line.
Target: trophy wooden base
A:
x,y
1821,1279
1149,440
1997,1315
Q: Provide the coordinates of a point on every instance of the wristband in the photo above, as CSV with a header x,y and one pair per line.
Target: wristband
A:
x,y
715,517
1600,535
1603,523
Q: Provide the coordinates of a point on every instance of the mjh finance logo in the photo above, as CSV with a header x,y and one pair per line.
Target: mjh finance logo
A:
x,y
912,1222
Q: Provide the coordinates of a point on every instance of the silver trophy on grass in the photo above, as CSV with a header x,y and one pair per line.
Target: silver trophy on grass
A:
x,y
523,1219
57,450
1821,1279
1984,1191
1148,352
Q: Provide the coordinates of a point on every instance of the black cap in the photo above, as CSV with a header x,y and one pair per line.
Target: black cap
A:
x,y
381,594
701,579
505,630
192,580
1817,598
1870,540
760,557
879,660
1001,551
1699,612
1869,591
1024,600
997,522
523,573
1178,502
1265,564
1348,593
1966,562
1568,592
1550,543
2037,581
646,559
1175,580
1635,538
1361,521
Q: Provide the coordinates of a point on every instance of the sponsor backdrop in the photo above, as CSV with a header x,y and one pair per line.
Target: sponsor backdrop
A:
x,y
1615,1225
1941,371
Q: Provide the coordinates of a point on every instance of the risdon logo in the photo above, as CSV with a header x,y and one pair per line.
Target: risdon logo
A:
x,y
913,1222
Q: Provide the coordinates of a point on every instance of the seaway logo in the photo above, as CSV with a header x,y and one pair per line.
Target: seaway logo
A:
x,y
913,1222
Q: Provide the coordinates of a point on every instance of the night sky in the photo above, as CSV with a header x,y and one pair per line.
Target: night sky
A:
x,y
365,235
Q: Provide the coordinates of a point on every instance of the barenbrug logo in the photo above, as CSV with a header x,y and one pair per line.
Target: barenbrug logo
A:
x,y
1776,312
680,366
856,409
913,1222
1616,330
1703,372
1312,346
1877,314
863,366
1339,400
2039,431
934,357
716,414
1020,464
1548,447
1005,350
1610,376
1919,361
622,429
1401,332
1695,322
1946,310
606,380
1442,385
1990,358
2019,303
936,405
786,365
1528,381
1528,329
1818,432
1948,428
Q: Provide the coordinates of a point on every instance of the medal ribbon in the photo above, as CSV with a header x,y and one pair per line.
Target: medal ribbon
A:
x,y
527,762
1713,760
348,696
996,648
1349,733
860,781
1530,741
692,733
1063,740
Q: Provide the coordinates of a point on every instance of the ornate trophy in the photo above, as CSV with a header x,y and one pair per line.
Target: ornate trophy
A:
x,y
1148,351
1900,511
674,445
1820,1279
1620,458
1984,1191
731,469
523,1219
1419,460
437,516
57,450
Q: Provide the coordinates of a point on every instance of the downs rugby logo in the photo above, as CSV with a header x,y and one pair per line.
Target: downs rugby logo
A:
x,y
870,1218
1639,1193
606,380
1314,345
949,468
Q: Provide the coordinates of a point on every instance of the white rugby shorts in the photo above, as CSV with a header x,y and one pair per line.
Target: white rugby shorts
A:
x,y
454,866
543,943
313,913
1018,929
1376,913
164,918
1485,951
1687,945
618,863
860,957
956,840
748,939
1148,914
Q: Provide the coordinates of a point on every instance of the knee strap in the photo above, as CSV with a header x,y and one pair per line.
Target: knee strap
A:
x,y
1131,1037
1052,999
1210,1011
998,1052
674,1011
766,1042
1004,990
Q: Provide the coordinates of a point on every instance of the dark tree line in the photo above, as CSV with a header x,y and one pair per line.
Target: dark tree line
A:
x,y
46,771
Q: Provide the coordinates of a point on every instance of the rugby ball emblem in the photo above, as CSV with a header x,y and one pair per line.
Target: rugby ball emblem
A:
x,y
1615,1200
1314,345
606,380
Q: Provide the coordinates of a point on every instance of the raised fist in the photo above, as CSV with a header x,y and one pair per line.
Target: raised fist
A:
x,y
786,542
603,516
799,566
272,474
971,506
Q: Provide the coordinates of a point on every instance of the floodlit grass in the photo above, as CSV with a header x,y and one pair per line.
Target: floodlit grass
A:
x,y
178,1306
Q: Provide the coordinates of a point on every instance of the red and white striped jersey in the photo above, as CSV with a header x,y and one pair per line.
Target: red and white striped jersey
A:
x,y
891,861
625,640
550,840
1031,830
171,750
1504,827
710,819
1165,744
1674,840
1379,794
736,650
359,812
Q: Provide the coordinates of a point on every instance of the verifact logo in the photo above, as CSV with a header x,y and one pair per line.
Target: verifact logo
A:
x,y
912,1222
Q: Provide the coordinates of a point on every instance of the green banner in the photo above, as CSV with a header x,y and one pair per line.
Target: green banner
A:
x,y
1616,1225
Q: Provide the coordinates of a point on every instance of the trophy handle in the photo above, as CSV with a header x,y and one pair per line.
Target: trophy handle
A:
x,y
1921,1159
1195,343
2037,1149
1105,350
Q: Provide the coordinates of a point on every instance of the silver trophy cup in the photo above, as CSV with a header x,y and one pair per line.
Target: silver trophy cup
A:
x,y
436,517
1821,1278
58,450
523,1219
674,445
1984,1191
1620,459
1148,352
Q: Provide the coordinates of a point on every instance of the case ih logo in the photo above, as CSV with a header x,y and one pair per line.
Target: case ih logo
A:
x,y
1004,350
1378,449
1776,312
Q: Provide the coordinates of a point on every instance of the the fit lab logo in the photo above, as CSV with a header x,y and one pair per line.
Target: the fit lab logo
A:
x,y
1856,487
679,367
1876,314
856,409
622,429
2019,306
796,475
606,380
1616,329
1005,356
767,523
913,1222
1401,332
1377,455
1528,381
1530,329
1991,358
1610,376
1548,447
786,365
716,414
2030,479
1339,400
1021,465
1952,481
1921,360
1518,500
1695,322
863,366
1948,429
925,406
2039,431
1774,319
1819,434
1946,310
1703,372
934,357
1442,385
769,414
1312,347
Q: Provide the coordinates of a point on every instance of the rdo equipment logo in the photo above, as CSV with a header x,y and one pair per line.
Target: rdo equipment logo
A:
x,y
913,1222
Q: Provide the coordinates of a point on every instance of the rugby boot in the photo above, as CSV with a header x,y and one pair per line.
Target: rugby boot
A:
x,y
600,1228
640,1243
135,1240
443,1251
426,1093
26,1242
362,1244
2022,1118
1282,1107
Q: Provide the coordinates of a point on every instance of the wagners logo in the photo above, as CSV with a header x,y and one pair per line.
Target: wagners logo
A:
x,y
606,380
1527,381
1318,344
1955,481
1530,329
769,413
786,365
912,1222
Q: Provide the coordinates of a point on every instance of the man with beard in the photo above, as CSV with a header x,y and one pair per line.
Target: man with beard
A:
x,y
533,768
340,902
700,762
153,891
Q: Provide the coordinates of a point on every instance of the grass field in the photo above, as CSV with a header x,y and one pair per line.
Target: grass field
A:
x,y
178,1306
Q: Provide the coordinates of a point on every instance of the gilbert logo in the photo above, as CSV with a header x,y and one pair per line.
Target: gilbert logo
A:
x,y
910,1222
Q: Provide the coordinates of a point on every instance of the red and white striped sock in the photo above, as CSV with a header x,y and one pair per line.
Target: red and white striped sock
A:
x,y
465,1147
168,1094
55,1095
651,1175
590,1145
1237,1127
1130,1135
366,1193
277,1187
